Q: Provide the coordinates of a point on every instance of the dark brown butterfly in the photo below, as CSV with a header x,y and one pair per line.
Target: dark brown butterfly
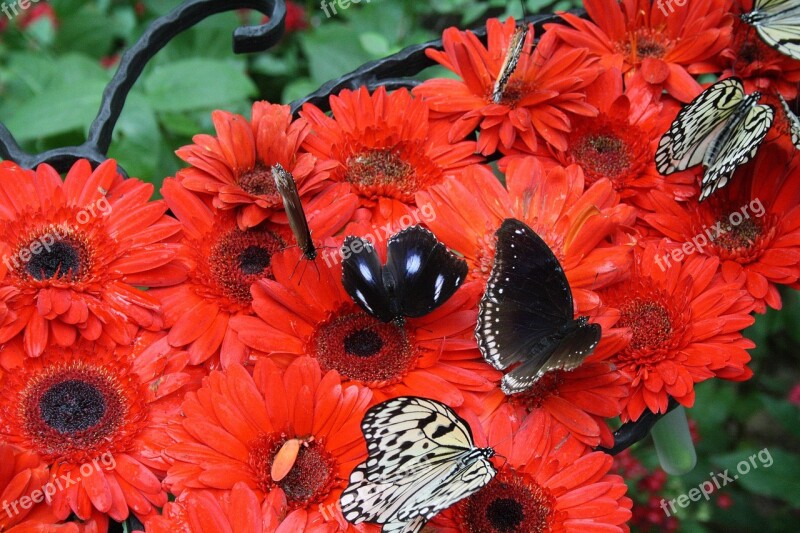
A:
x,y
510,62
526,319
287,188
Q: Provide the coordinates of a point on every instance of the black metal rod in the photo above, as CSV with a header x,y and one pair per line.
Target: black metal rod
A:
x,y
632,432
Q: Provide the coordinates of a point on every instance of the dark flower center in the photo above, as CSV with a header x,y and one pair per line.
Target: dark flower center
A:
x,y
505,514
72,406
649,323
311,477
241,258
377,167
74,410
259,182
253,260
512,502
742,236
363,343
363,348
60,259
608,148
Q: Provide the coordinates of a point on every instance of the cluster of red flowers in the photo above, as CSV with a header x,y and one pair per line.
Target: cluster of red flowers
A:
x,y
185,341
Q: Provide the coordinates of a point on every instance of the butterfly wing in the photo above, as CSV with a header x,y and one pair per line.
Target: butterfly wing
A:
x,y
794,122
425,273
416,447
685,143
527,297
777,23
362,278
513,53
738,149
287,188
565,353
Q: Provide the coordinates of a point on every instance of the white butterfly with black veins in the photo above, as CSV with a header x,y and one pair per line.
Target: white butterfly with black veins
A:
x,y
722,128
777,22
526,315
794,123
420,274
422,459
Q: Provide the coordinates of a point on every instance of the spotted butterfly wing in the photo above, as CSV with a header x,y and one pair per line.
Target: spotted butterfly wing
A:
x,y
777,23
722,128
421,460
287,188
526,315
420,274
794,123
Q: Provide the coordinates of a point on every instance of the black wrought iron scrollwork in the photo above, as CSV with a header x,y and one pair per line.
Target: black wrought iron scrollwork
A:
x,y
245,39
632,432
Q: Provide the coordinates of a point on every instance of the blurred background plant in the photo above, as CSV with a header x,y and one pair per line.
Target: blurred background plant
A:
x,y
56,58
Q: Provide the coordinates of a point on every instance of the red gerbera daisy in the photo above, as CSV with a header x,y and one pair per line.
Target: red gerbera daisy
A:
x,y
752,226
621,142
239,428
200,511
548,82
384,148
95,416
576,222
543,486
236,165
685,324
74,253
434,356
661,42
579,400
223,261
760,67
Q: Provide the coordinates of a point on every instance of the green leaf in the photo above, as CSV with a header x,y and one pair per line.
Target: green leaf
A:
x,y
374,43
59,109
86,30
135,136
782,412
197,84
772,472
325,63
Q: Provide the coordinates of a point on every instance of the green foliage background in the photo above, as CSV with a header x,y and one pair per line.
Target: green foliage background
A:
x,y
51,81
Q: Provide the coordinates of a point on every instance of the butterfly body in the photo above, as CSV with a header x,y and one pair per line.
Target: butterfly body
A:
x,y
287,188
722,128
509,65
777,23
526,318
420,274
421,460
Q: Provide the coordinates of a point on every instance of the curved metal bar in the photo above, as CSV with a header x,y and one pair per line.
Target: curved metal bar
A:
x,y
632,432
407,62
132,63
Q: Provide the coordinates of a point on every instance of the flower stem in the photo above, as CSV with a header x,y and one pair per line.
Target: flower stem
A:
x,y
674,444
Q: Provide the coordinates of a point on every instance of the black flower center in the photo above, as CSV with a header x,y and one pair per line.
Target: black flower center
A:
x,y
505,514
363,343
259,182
59,259
72,406
254,259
